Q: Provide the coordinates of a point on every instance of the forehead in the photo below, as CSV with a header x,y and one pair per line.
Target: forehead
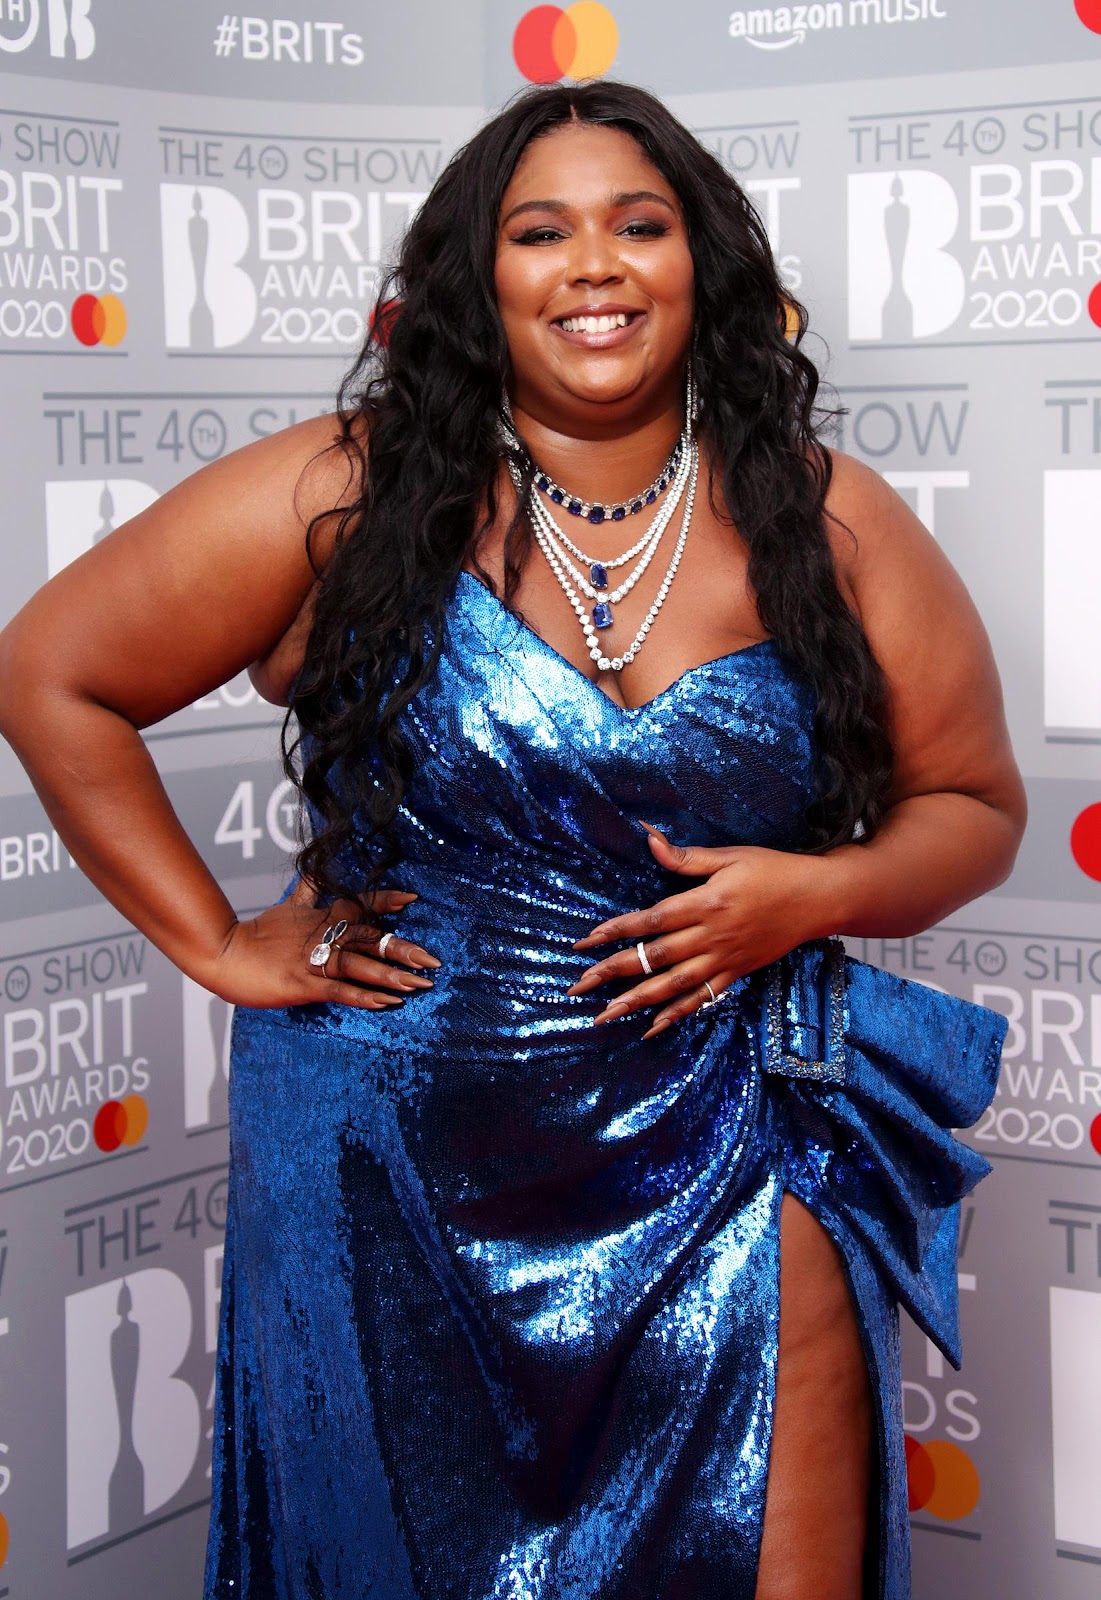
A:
x,y
581,164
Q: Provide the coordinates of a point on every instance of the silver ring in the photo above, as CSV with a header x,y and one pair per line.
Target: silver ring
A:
x,y
641,951
321,951
383,942
714,1000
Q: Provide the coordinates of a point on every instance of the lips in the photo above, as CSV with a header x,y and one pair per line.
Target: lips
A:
x,y
598,327
596,318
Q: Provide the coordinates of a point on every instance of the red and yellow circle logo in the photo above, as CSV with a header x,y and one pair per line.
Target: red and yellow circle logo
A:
x,y
98,319
1085,841
3,1538
578,42
120,1122
942,1479
1089,12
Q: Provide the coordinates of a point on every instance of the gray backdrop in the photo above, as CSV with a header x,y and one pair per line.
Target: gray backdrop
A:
x,y
194,206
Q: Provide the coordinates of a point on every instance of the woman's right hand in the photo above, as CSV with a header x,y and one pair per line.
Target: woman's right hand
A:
x,y
265,960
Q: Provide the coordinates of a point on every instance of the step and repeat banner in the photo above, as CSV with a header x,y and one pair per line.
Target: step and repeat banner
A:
x,y
195,206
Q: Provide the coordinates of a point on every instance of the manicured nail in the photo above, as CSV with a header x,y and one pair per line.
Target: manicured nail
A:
x,y
611,1011
659,1027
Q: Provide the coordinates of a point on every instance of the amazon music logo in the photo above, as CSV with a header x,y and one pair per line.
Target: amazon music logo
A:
x,y
780,27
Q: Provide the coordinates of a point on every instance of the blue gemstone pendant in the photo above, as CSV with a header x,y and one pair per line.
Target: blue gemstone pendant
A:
x,y
598,575
602,614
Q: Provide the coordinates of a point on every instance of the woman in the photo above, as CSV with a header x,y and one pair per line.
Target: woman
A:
x,y
503,1311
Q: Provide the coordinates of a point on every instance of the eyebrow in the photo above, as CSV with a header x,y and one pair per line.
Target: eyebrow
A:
x,y
627,198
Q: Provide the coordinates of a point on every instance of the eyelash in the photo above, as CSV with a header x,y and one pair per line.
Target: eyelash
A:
x,y
547,235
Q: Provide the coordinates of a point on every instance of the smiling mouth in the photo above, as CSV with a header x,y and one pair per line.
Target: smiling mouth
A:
x,y
606,323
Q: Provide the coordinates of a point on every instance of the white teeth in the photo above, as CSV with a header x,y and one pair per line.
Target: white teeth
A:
x,y
603,324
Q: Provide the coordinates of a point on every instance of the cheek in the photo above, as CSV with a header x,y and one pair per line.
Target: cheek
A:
x,y
679,282
520,286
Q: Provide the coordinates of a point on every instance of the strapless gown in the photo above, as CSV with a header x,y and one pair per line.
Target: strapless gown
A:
x,y
500,1303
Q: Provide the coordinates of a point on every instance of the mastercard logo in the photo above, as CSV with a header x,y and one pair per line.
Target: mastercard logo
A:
x,y
120,1122
1089,12
1085,841
942,1479
98,319
552,43
3,1538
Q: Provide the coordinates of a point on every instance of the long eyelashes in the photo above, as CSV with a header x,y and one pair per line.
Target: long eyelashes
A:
x,y
633,230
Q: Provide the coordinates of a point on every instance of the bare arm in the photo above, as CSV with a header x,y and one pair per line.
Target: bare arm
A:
x,y
957,807
204,583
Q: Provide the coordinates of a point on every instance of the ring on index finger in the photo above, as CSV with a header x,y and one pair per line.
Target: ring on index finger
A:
x,y
383,942
321,951
640,950
713,1000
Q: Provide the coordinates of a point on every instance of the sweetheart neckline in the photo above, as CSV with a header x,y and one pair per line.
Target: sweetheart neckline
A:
x,y
564,661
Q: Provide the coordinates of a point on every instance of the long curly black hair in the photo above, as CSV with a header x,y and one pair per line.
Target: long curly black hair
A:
x,y
426,388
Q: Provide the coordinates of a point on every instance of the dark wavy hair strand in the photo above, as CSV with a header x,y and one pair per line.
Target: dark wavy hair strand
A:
x,y
426,389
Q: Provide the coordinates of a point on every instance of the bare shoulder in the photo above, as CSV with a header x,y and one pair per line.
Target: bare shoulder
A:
x,y
863,511
328,469
202,583
928,638
295,476
885,556
330,475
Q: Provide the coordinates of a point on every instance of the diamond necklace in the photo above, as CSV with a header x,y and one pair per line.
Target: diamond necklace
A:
x,y
602,615
617,663
597,511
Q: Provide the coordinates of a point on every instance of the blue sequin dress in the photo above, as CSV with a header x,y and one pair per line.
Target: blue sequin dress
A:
x,y
500,1310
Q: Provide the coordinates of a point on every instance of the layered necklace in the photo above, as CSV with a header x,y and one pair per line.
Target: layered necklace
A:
x,y
678,476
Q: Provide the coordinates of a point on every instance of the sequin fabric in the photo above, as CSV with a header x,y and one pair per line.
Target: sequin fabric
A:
x,y
500,1308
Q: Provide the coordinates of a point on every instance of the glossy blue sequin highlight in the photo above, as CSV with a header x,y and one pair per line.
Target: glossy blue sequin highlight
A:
x,y
500,1299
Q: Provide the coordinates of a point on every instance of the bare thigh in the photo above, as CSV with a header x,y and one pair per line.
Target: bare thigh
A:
x,y
820,1467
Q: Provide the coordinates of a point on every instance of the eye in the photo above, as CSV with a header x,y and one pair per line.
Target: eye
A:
x,y
544,235
646,230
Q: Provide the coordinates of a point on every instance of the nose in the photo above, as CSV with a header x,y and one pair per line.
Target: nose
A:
x,y
594,257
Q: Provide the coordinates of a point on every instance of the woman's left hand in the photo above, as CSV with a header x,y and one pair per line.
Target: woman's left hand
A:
x,y
754,906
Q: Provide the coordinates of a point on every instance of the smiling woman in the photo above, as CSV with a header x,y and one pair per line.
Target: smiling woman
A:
x,y
568,1226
